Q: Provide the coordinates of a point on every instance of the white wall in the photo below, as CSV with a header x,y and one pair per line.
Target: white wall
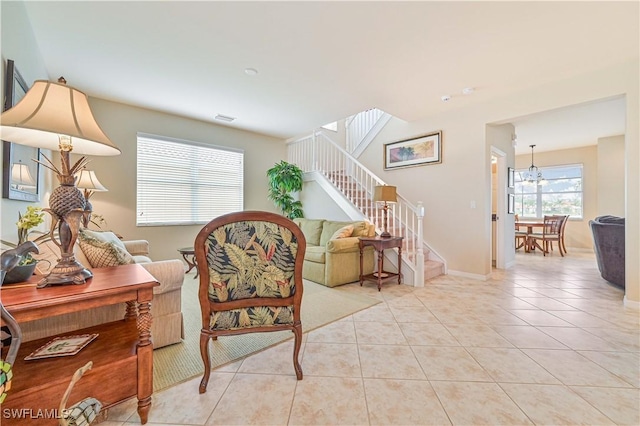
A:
x,y
611,176
317,204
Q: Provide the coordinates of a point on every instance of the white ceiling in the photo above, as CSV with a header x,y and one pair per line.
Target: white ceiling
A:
x,y
570,127
323,61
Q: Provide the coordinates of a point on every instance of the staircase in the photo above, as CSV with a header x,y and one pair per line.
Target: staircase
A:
x,y
319,153
362,128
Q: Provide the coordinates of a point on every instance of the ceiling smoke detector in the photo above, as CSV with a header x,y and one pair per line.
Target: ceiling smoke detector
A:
x,y
468,90
224,118
251,71
446,98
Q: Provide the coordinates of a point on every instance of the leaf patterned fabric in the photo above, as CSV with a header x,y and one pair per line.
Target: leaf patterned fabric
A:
x,y
250,259
252,317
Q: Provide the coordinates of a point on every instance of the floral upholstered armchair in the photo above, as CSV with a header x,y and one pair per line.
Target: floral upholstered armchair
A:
x,y
250,268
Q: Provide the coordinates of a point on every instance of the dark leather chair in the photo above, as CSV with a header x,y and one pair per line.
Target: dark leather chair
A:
x,y
608,242
250,268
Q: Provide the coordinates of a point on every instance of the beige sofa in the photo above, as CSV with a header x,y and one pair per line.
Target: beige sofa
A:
x,y
167,327
334,261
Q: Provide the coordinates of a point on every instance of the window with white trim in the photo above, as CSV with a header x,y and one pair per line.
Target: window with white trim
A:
x,y
559,193
185,183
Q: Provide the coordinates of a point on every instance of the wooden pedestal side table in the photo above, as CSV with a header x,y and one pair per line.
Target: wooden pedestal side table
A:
x,y
380,245
189,256
122,354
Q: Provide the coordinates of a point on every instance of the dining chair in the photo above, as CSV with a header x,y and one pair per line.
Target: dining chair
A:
x,y
522,237
563,247
552,225
250,268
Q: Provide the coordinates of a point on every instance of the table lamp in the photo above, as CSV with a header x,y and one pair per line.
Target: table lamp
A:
x,y
87,180
385,194
21,176
58,117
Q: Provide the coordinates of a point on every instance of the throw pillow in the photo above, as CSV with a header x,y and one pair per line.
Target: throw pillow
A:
x,y
102,254
104,236
361,229
343,232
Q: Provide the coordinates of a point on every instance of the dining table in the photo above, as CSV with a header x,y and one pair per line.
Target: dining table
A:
x,y
530,224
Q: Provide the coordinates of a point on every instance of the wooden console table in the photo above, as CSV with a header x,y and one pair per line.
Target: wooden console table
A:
x,y
122,354
380,245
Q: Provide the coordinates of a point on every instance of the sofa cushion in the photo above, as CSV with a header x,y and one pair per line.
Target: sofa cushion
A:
x,y
141,259
315,254
311,228
330,227
102,253
343,232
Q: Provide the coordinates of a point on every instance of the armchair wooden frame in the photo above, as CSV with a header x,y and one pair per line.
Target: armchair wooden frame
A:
x,y
209,307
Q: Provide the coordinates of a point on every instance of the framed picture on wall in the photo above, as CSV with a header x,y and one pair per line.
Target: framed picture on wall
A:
x,y
20,174
511,203
511,177
417,151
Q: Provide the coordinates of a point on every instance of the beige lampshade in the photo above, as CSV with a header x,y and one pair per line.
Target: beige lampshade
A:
x,y
51,109
385,193
87,179
20,175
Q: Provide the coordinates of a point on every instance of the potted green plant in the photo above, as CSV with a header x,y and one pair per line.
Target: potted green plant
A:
x,y
33,217
285,179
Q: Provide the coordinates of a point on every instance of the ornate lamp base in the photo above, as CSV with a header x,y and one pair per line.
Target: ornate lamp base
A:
x,y
384,233
66,273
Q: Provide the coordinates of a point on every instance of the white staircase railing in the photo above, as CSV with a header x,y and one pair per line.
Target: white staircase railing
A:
x,y
361,128
318,153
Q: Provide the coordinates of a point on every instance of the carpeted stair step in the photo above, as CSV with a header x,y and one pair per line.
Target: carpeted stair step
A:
x,y
432,269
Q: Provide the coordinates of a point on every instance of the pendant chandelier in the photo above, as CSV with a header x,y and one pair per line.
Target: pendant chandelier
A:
x,y
534,176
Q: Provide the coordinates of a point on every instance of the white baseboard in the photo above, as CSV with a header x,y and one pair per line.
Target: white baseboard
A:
x,y
630,303
478,277
580,250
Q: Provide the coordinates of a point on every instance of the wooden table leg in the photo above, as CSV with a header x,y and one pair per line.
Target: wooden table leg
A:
x,y
190,258
145,360
399,264
361,264
380,267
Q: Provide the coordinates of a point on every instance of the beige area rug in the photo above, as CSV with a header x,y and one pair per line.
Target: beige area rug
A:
x,y
176,363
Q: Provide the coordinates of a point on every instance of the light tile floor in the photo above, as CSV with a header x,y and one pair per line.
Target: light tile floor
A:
x,y
546,342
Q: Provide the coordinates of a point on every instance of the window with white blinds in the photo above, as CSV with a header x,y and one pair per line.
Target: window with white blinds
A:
x,y
185,183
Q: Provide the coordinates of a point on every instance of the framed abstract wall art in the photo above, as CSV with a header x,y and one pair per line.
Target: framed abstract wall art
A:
x,y
417,151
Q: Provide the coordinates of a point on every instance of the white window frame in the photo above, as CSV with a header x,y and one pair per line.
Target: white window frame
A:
x,y
180,182
539,191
